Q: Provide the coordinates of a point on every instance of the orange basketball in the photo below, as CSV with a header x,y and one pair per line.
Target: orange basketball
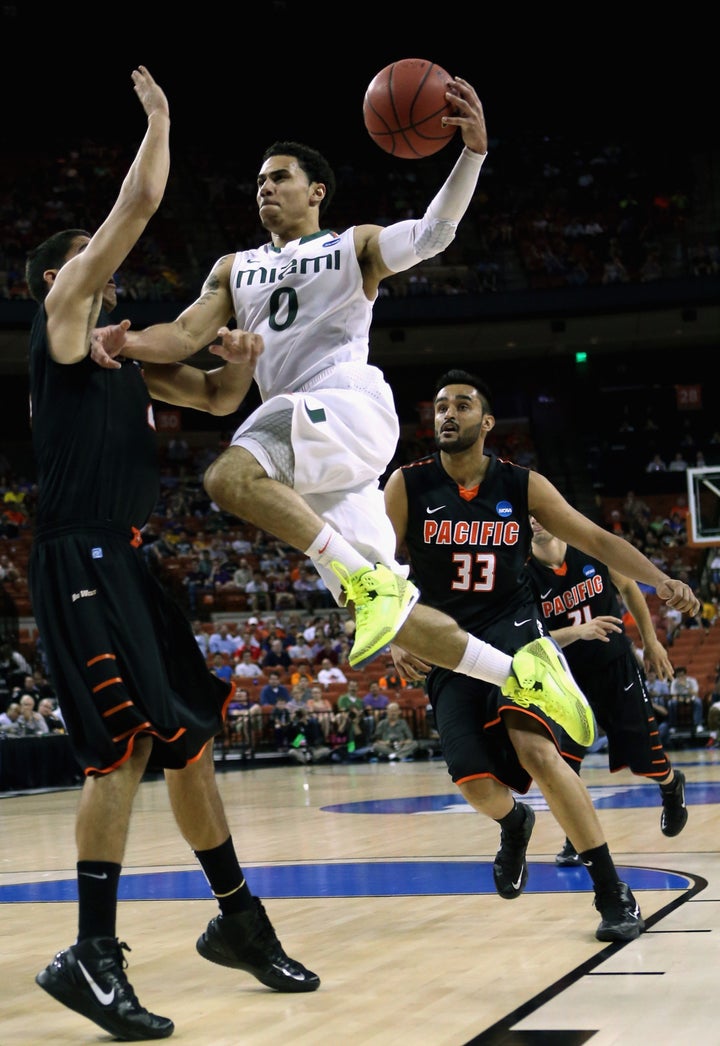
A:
x,y
404,106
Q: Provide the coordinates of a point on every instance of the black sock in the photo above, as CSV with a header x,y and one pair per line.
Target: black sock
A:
x,y
225,877
601,868
97,883
513,821
668,789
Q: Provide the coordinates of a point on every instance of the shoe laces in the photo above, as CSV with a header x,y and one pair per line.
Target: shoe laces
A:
x,y
614,903
265,931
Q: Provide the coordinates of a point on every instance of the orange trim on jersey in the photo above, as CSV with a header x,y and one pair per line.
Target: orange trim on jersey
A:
x,y
136,729
118,708
535,716
468,493
136,539
478,777
108,682
100,657
560,571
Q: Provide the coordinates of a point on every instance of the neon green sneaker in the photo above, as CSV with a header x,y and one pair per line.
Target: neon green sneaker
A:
x,y
542,678
382,602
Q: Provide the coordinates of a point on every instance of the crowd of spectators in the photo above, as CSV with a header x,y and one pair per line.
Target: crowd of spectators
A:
x,y
549,212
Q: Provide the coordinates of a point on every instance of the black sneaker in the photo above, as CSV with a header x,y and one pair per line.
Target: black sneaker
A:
x,y
510,870
247,941
89,978
568,857
621,918
674,812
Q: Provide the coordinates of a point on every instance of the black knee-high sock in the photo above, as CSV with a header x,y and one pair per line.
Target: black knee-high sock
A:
x,y
97,883
226,878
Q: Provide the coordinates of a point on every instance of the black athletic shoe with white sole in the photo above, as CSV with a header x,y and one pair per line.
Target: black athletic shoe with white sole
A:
x,y
568,857
510,870
621,917
89,977
247,941
674,812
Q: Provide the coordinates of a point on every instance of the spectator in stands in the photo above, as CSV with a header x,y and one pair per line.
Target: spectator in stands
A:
x,y
52,716
303,671
243,574
274,691
13,666
248,669
708,613
376,700
223,641
281,591
244,716
281,717
684,690
9,720
326,649
30,723
659,693
656,464
299,694
36,688
391,678
201,638
306,741
330,673
351,699
672,620
258,592
319,706
300,649
305,590
393,737
678,463
249,638
221,667
276,656
8,571
348,739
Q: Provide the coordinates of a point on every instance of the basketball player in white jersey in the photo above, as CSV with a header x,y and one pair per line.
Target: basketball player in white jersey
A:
x,y
305,466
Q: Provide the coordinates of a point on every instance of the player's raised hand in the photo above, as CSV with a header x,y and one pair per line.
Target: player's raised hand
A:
x,y
152,98
468,116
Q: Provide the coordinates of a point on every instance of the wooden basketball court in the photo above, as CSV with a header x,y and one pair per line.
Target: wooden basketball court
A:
x,y
378,878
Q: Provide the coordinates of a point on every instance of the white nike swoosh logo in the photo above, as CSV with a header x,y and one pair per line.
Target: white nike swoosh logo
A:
x,y
518,623
431,511
94,875
626,688
104,998
544,595
516,886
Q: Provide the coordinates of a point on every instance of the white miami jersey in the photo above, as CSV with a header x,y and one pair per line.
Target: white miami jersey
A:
x,y
308,302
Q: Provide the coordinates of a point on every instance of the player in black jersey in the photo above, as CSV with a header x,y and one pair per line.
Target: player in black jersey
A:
x,y
133,686
462,516
578,596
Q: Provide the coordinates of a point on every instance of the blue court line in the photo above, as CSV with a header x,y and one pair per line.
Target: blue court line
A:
x,y
610,796
351,879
